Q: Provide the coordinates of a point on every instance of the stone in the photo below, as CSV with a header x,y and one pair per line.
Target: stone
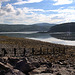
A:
x,y
58,74
62,63
15,72
7,70
39,70
24,66
36,64
3,68
13,61
47,63
47,71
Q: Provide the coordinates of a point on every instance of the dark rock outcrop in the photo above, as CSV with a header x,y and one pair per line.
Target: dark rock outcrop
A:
x,y
13,61
24,66
14,72
6,70
3,67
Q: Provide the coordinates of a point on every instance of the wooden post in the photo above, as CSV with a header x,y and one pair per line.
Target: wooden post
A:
x,y
24,52
53,50
4,51
33,51
40,50
47,50
14,51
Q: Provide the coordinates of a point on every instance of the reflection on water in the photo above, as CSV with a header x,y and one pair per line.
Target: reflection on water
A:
x,y
19,32
64,35
38,36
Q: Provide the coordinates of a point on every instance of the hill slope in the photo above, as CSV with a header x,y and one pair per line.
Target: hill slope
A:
x,y
66,27
23,28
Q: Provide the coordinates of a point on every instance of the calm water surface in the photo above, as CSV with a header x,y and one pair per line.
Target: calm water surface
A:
x,y
38,36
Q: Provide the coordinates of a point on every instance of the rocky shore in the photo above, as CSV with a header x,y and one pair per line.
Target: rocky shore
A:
x,y
40,58
25,66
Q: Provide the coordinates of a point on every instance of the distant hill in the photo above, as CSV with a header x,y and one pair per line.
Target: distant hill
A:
x,y
65,27
44,24
23,28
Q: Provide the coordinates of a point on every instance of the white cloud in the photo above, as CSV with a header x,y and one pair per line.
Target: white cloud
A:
x,y
68,14
0,5
31,10
9,14
9,8
62,2
28,1
2,1
19,0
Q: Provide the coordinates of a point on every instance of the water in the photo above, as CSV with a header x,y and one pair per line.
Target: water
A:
x,y
38,36
18,32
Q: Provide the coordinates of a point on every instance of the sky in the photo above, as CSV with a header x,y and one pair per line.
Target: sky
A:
x,y
37,11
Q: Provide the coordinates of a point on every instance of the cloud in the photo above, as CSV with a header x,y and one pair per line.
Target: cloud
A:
x,y
13,15
3,1
19,0
67,14
8,8
28,1
62,2
0,5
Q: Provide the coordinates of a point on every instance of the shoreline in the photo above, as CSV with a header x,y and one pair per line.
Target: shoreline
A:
x,y
19,43
47,58
17,38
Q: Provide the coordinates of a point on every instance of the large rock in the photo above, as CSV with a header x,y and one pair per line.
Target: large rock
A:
x,y
7,70
39,70
48,64
14,72
36,64
13,61
3,66
63,63
24,66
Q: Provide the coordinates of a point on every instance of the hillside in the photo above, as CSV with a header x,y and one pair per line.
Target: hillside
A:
x,y
66,27
22,28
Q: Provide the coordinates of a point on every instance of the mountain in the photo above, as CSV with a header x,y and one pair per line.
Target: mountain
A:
x,y
44,24
23,28
65,27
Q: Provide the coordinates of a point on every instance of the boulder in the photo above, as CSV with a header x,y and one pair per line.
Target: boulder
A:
x,y
47,63
39,70
3,68
63,63
48,70
58,74
24,66
36,64
14,72
6,70
13,61
0,59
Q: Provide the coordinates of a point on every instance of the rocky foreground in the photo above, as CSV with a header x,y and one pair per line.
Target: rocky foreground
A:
x,y
53,59
33,66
